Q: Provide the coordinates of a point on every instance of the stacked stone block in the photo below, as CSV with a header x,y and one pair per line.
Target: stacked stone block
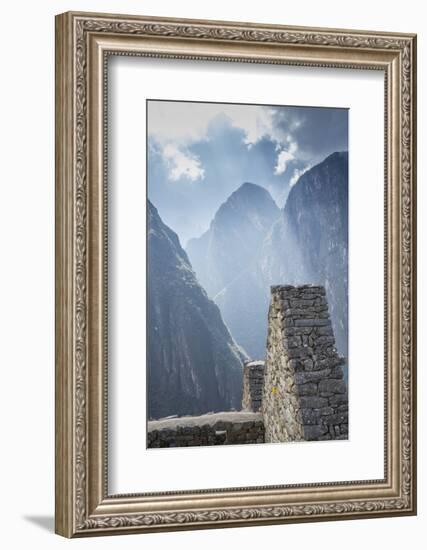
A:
x,y
305,395
226,428
253,385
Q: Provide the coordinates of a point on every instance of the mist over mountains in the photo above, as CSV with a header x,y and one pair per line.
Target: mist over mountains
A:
x,y
309,243
305,242
199,153
208,305
234,237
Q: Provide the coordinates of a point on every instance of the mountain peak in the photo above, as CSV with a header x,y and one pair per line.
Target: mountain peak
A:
x,y
338,155
331,171
248,188
246,199
234,237
249,202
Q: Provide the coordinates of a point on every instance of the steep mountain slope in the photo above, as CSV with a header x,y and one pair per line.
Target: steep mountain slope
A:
x,y
309,243
225,257
306,244
244,307
193,364
234,237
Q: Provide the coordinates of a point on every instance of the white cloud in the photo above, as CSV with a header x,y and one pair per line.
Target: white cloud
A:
x,y
186,122
255,121
176,125
297,174
182,164
285,156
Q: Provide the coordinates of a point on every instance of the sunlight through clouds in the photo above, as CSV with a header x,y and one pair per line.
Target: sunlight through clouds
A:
x,y
284,157
177,125
199,153
297,174
182,164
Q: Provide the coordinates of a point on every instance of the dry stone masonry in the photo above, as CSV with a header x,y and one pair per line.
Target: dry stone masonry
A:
x,y
305,396
298,394
253,385
225,428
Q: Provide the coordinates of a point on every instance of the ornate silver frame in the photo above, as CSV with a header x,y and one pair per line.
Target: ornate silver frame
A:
x,y
83,505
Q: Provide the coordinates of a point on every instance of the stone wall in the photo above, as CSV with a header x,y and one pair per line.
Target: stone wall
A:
x,y
253,385
225,428
305,396
298,394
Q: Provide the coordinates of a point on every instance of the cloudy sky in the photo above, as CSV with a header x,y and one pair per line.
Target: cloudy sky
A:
x,y
199,153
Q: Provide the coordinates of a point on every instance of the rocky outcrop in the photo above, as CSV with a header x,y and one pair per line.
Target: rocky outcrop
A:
x,y
193,363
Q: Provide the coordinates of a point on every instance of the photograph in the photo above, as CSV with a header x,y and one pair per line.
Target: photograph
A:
x,y
247,273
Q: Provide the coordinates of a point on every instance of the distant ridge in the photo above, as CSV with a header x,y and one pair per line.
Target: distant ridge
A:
x,y
234,235
251,244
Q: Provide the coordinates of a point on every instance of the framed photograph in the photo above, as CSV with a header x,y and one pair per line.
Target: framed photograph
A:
x,y
235,274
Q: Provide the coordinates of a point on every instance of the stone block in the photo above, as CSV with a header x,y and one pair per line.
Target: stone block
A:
x,y
302,303
313,402
310,417
325,331
338,399
324,361
337,372
235,428
326,411
335,419
312,433
247,425
325,340
308,364
312,322
320,309
293,341
307,389
312,376
329,387
299,353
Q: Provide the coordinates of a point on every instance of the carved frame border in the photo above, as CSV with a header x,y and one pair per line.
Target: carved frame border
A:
x,y
83,43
